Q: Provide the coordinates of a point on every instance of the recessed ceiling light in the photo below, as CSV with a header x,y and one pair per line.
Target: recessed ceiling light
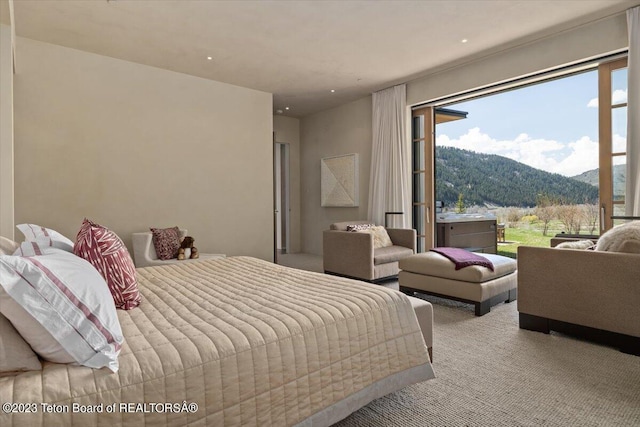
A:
x,y
333,90
286,108
464,40
209,58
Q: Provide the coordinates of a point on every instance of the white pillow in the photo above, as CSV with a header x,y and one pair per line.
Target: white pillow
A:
x,y
7,246
15,353
575,244
32,248
381,238
36,248
621,238
61,295
45,236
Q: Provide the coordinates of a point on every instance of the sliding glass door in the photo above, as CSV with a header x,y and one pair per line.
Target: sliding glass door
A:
x,y
612,104
423,176
560,169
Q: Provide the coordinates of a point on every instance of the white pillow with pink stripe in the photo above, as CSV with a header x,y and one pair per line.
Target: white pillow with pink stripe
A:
x,y
45,236
62,296
32,248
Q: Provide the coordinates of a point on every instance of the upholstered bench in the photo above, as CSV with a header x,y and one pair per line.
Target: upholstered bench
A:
x,y
424,313
433,274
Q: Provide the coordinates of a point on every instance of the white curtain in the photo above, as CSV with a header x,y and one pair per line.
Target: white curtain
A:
x,y
632,194
389,189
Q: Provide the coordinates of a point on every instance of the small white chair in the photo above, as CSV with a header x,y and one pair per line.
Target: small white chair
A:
x,y
144,253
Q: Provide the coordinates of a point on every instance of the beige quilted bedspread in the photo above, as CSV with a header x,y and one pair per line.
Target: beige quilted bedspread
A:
x,y
247,341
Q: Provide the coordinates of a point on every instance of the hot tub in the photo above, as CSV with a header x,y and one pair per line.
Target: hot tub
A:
x,y
474,232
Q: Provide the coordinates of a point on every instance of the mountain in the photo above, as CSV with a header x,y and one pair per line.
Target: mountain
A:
x,y
491,180
592,176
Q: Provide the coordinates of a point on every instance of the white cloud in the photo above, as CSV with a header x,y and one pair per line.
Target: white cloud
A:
x,y
619,144
619,96
582,157
567,159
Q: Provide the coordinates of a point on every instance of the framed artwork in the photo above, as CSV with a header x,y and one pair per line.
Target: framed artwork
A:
x,y
339,181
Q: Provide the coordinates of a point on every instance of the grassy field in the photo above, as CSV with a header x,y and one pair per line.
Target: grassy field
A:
x,y
529,233
522,236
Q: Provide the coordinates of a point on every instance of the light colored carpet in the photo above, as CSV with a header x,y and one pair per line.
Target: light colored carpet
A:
x,y
302,261
491,373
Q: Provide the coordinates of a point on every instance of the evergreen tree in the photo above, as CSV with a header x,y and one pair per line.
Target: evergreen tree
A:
x,y
460,208
499,181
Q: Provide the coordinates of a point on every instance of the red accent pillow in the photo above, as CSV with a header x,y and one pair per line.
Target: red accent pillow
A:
x,y
166,241
106,252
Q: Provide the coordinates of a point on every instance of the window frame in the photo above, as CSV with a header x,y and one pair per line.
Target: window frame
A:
x,y
605,139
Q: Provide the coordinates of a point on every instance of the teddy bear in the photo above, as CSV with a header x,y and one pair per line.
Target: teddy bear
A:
x,y
187,250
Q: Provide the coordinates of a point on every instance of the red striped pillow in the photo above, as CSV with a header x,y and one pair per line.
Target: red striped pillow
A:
x,y
106,252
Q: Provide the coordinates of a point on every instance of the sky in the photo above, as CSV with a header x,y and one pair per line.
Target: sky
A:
x,y
551,126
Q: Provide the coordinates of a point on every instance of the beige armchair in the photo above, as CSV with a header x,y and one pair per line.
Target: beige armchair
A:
x,y
593,294
351,254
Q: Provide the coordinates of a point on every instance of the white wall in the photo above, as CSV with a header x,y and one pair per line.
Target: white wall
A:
x,y
342,130
131,146
6,134
287,130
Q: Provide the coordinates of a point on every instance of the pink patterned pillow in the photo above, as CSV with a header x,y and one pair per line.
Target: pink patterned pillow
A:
x,y
106,252
166,241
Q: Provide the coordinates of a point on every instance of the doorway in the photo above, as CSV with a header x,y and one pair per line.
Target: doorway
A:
x,y
282,210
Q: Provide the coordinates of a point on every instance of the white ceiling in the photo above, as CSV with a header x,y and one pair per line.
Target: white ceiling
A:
x,y
301,50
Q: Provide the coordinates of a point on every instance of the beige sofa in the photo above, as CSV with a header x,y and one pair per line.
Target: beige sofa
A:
x,y
350,254
593,294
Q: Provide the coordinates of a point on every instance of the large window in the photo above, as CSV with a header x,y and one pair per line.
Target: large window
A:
x,y
550,155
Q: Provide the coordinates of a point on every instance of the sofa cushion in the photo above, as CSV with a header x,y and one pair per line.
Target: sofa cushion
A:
x,y
359,227
342,226
381,238
390,254
576,244
621,238
434,264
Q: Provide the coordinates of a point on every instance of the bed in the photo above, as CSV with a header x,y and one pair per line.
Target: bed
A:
x,y
235,341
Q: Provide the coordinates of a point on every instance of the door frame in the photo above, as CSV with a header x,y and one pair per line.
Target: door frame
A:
x,y
607,155
281,198
424,138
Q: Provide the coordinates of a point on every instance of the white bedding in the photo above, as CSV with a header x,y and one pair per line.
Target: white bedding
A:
x,y
247,341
